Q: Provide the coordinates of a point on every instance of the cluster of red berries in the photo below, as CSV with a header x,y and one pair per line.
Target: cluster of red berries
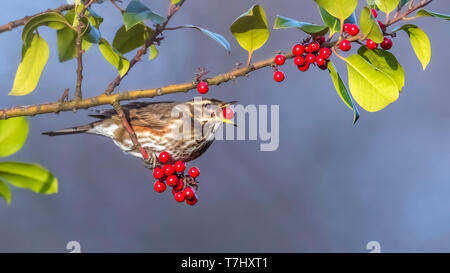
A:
x,y
174,176
305,54
353,30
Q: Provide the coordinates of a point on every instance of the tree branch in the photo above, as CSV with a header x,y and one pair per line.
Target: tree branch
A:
x,y
411,9
158,30
20,22
104,99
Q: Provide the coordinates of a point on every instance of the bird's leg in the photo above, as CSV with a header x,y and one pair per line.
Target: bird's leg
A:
x,y
189,181
150,162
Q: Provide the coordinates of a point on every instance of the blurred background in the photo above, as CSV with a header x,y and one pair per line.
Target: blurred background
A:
x,y
330,187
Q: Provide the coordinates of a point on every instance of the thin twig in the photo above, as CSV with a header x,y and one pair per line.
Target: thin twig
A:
x,y
411,9
80,52
154,38
130,130
20,22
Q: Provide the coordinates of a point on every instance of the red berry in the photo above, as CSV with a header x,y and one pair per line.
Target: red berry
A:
x,y
346,27
321,61
371,44
374,13
381,25
202,87
299,60
310,58
353,30
191,202
308,49
278,76
320,39
314,46
158,173
323,67
304,67
298,50
179,197
325,52
168,169
159,186
386,44
179,166
164,157
179,187
194,172
279,59
189,193
228,113
345,45
172,180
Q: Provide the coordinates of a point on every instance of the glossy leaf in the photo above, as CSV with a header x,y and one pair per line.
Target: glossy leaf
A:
x,y
153,52
126,41
5,192
387,6
427,13
66,43
50,19
114,57
369,26
34,59
282,22
136,12
329,20
420,43
90,33
341,9
13,134
28,176
251,29
403,2
372,89
385,62
342,91
175,1
216,37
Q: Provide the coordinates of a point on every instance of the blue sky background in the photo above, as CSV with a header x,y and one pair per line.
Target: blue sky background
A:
x,y
330,187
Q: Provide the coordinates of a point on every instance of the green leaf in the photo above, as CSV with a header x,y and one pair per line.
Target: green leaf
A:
x,y
50,19
29,176
66,42
387,5
282,22
13,134
341,9
385,62
5,192
136,12
342,91
351,19
332,22
94,18
251,29
114,57
175,1
34,59
420,43
372,89
369,26
427,13
126,41
90,33
216,37
153,53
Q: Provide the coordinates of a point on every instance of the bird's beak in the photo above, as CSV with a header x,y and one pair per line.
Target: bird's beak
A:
x,y
224,120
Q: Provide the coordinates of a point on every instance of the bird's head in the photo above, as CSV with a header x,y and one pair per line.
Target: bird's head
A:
x,y
209,112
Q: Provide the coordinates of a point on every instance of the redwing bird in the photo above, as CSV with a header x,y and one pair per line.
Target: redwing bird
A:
x,y
184,129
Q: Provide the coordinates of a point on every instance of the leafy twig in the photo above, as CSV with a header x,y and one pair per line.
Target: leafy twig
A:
x,y
154,38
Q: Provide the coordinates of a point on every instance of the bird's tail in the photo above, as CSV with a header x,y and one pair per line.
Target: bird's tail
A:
x,y
70,131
